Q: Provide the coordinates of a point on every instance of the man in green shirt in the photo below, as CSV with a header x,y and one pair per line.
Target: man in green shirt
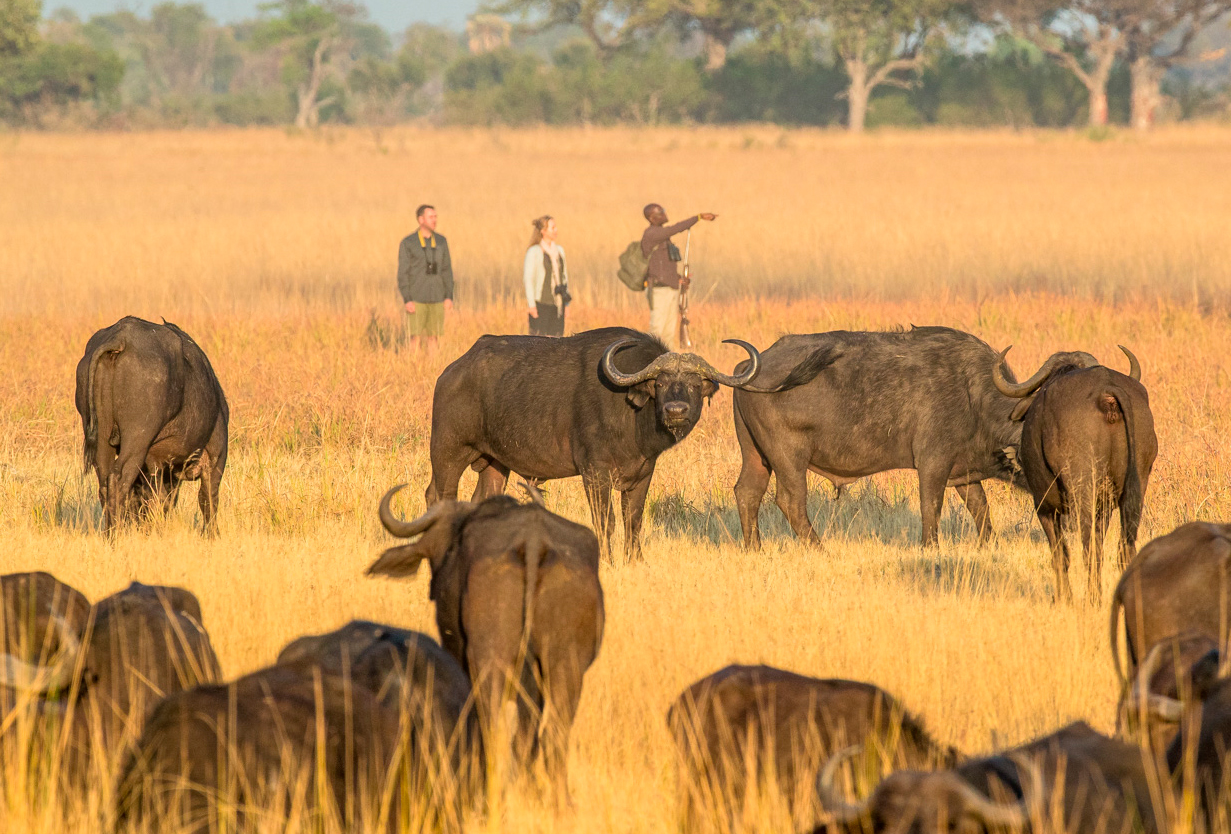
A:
x,y
425,278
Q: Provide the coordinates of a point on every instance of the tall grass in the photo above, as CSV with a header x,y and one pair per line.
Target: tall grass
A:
x,y
276,250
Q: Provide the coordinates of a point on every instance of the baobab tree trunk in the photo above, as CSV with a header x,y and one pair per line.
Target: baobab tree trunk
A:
x,y
1147,91
857,95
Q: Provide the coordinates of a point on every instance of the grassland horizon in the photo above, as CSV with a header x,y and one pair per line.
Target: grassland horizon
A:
x,y
277,251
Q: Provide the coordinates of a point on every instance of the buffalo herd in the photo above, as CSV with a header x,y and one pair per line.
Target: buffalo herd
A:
x,y
378,728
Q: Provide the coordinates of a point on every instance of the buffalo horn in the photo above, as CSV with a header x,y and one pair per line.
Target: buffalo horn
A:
x,y
1159,707
406,529
628,380
1020,389
16,673
1134,367
754,367
837,809
992,814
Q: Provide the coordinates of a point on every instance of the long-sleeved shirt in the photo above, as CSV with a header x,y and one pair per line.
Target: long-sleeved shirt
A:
x,y
662,272
534,275
414,254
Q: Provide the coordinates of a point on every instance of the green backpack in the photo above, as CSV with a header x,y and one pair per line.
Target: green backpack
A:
x,y
633,267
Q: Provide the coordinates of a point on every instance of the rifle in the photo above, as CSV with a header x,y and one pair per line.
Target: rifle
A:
x,y
685,339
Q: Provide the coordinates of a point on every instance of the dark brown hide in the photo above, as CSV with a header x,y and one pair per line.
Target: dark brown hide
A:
x,y
234,756
1088,447
755,726
518,603
144,644
549,408
42,622
1151,706
1094,783
154,416
1176,584
921,399
414,677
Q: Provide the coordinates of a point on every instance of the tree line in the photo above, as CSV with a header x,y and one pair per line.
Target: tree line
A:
x,y
855,63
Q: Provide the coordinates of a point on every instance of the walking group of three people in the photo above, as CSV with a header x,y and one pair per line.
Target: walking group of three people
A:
x,y
425,276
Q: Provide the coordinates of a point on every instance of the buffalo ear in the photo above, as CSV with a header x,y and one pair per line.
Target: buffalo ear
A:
x,y
708,389
400,562
1019,410
641,393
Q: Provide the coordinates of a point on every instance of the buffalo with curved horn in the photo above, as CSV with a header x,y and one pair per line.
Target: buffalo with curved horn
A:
x,y
1074,779
1088,445
603,404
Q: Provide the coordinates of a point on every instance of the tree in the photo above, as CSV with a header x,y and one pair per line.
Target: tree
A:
x,y
312,36
18,26
177,46
604,22
719,21
1085,36
879,42
1159,34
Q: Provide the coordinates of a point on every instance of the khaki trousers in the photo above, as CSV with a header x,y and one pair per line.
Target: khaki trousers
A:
x,y
665,315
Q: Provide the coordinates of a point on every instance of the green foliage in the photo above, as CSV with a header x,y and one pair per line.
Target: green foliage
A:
x,y
18,26
52,76
765,85
507,87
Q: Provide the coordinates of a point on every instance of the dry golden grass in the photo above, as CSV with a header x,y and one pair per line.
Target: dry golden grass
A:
x,y
274,251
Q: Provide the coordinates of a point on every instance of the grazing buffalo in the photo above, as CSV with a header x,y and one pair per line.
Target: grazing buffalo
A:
x,y
112,665
43,622
603,404
1072,780
412,675
1177,584
1150,706
154,416
852,404
1198,753
1088,445
518,603
745,727
242,756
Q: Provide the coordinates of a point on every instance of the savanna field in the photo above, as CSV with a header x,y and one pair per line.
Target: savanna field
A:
x,y
277,252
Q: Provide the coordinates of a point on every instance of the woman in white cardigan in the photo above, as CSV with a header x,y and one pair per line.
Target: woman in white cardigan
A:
x,y
546,279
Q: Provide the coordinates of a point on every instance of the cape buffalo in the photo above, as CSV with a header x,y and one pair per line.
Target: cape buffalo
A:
x,y
603,404
921,399
750,726
154,416
1198,754
43,622
293,736
518,603
1072,780
1176,584
1088,445
413,676
132,649
1151,706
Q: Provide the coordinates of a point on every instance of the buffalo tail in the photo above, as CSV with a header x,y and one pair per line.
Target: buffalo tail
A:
x,y
114,345
803,373
1132,497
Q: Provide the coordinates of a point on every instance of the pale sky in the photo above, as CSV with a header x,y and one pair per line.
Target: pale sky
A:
x,y
394,15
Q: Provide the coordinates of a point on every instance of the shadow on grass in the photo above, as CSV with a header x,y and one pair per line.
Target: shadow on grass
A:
x,y
862,513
